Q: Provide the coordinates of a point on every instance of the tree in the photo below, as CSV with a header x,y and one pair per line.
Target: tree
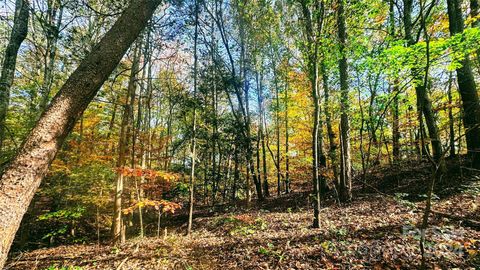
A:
x,y
51,25
18,34
474,12
23,175
118,232
194,121
424,103
395,90
313,20
345,191
467,88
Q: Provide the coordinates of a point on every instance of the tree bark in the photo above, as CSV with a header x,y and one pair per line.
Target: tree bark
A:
x,y
287,155
424,104
261,131
277,123
345,191
467,88
312,66
52,32
332,151
474,11
23,176
236,171
451,121
244,118
18,34
125,126
194,124
395,110
396,124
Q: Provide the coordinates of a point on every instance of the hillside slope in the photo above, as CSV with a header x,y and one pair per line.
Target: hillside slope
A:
x,y
376,231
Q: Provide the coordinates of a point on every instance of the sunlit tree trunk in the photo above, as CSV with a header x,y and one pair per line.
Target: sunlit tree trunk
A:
x,y
22,177
18,34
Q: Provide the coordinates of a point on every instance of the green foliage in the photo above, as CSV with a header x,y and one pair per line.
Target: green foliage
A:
x,y
64,215
328,246
242,224
402,199
270,251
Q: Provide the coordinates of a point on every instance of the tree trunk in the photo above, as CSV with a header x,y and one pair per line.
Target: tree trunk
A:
x,y
23,176
451,121
467,89
287,156
277,124
244,119
345,191
18,34
312,59
332,151
236,171
396,124
424,104
52,33
125,128
474,11
395,92
261,129
194,123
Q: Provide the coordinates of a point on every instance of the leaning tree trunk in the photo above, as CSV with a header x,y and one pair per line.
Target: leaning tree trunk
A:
x,y
467,89
19,33
23,176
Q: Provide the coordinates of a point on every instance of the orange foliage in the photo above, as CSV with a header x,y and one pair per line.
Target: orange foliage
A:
x,y
147,173
160,205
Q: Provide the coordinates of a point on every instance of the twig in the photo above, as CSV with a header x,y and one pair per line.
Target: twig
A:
x,y
121,264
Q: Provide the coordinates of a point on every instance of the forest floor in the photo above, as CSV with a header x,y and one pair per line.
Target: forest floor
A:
x,y
375,231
